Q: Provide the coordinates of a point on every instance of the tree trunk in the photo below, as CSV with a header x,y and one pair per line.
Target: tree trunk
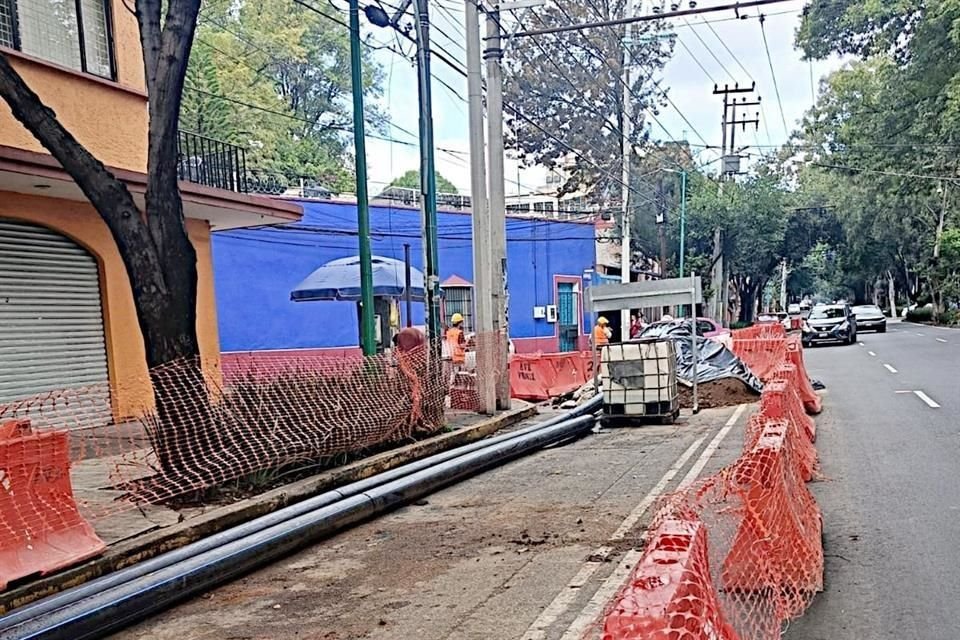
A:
x,y
892,294
159,258
747,290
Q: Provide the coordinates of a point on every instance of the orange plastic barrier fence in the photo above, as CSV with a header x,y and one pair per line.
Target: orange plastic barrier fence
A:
x,y
761,354
761,330
777,549
541,376
764,560
40,528
670,594
811,401
780,401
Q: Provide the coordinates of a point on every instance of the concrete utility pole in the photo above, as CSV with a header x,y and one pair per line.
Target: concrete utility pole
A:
x,y
661,224
783,285
729,167
483,261
631,8
497,202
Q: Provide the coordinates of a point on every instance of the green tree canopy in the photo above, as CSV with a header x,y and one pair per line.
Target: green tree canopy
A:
x,y
411,180
565,94
274,78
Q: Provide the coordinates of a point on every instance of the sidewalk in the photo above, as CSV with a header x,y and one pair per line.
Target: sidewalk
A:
x,y
114,519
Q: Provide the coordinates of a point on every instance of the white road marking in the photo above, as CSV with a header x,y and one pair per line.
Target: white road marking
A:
x,y
615,580
940,340
861,344
903,391
920,334
872,353
604,594
889,368
561,603
930,402
631,520
711,448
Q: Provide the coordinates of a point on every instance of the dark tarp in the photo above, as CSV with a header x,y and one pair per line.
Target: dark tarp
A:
x,y
714,361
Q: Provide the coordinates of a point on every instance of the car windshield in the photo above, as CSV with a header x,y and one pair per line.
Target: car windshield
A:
x,y
867,309
827,312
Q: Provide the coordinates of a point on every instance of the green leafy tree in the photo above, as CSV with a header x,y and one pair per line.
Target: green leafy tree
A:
x,y
411,180
203,109
284,73
566,95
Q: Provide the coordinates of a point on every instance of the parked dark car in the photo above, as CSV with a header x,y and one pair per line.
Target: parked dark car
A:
x,y
830,323
870,318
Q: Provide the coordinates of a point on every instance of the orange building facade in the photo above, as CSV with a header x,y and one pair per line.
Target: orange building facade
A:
x,y
67,317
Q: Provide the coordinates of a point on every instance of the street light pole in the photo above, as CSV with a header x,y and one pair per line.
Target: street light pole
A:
x,y
367,332
428,177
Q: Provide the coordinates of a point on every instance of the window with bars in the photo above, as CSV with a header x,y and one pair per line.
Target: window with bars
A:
x,y
459,299
72,33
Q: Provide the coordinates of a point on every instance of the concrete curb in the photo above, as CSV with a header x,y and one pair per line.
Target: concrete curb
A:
x,y
153,544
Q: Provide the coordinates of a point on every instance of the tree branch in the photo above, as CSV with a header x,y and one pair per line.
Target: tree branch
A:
x,y
108,195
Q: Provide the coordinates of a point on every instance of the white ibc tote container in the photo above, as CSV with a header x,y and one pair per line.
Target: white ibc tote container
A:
x,y
640,379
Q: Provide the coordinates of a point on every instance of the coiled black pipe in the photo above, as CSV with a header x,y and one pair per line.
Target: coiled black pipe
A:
x,y
69,614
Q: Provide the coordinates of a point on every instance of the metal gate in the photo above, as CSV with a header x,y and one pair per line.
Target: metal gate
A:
x,y
51,326
567,316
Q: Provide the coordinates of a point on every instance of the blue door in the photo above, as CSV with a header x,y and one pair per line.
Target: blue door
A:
x,y
567,316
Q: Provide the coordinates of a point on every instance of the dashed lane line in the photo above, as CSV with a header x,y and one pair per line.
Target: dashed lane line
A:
x,y
872,353
927,399
941,340
889,368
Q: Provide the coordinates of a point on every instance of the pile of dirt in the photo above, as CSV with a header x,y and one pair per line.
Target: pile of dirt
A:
x,y
725,392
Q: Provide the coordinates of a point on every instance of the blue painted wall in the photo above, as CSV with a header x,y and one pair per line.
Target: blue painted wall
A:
x,y
255,269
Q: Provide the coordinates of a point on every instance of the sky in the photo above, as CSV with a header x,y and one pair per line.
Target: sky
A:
x,y
700,60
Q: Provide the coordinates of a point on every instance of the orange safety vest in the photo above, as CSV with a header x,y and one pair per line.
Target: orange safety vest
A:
x,y
600,336
455,342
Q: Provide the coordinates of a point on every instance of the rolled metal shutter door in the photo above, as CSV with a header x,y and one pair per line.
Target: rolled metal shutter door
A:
x,y
53,364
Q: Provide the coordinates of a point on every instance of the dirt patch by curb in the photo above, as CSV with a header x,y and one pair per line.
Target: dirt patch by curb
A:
x,y
727,392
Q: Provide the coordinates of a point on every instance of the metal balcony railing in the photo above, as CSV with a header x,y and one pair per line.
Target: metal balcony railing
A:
x,y
210,162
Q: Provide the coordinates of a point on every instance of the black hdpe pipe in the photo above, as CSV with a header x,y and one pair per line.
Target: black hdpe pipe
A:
x,y
57,601
110,603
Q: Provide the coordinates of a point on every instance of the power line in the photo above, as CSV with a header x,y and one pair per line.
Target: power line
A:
x,y
597,53
723,43
776,88
894,174
648,18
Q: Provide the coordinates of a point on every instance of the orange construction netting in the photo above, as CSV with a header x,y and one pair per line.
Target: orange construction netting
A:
x,y
260,415
736,555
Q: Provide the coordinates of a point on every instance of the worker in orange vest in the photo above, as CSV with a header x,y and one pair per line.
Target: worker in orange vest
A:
x,y
456,341
601,332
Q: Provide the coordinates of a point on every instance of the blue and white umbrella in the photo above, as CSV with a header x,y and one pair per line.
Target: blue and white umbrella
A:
x,y
340,280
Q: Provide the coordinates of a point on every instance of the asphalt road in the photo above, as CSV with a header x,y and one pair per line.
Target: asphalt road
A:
x,y
891,490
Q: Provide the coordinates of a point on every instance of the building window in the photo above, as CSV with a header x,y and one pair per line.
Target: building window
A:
x,y
459,300
543,207
71,33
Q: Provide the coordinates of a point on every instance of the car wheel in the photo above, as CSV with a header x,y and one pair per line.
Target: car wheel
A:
x,y
882,329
